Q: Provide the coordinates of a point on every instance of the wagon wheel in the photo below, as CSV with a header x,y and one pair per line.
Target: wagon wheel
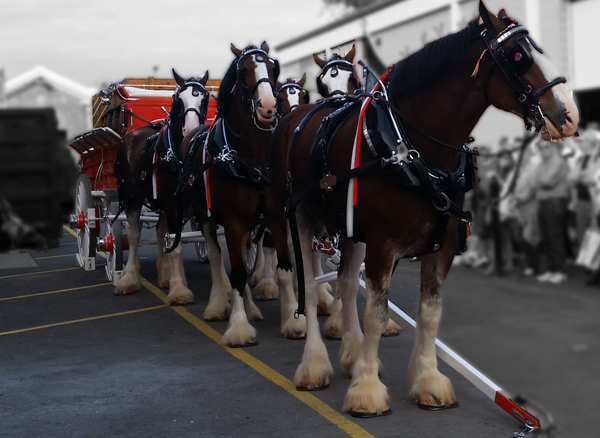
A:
x,y
201,247
250,249
114,257
86,236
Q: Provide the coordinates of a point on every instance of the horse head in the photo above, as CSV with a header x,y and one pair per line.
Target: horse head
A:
x,y
257,74
338,75
525,82
190,102
291,95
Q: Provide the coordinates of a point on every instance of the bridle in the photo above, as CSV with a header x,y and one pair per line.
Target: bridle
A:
x,y
513,63
292,88
197,89
334,66
248,92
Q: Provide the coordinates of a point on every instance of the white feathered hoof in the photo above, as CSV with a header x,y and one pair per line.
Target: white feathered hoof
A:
x,y
367,397
434,391
313,373
325,299
333,326
180,295
295,328
217,310
128,284
266,289
391,329
239,334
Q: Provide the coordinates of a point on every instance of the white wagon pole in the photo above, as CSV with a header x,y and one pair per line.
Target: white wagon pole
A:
x,y
460,365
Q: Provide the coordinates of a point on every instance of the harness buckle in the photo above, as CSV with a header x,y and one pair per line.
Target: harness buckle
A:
x,y
413,154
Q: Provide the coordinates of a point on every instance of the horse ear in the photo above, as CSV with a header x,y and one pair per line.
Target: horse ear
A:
x,y
236,51
264,46
180,81
502,15
302,80
350,55
320,62
204,79
485,15
276,70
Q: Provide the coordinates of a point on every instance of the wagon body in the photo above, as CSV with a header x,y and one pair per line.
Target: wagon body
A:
x,y
119,109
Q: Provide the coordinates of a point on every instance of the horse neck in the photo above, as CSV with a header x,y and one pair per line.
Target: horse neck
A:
x,y
250,142
177,131
446,110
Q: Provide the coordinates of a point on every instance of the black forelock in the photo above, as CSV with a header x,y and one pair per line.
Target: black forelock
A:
x,y
433,61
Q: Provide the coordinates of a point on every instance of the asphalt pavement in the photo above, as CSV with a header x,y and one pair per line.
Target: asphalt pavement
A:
x,y
77,361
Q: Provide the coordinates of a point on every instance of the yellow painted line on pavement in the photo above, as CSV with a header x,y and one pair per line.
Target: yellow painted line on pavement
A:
x,y
40,272
73,233
54,291
75,321
322,408
56,256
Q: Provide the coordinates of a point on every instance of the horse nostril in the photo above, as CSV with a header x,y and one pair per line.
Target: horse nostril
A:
x,y
270,112
259,104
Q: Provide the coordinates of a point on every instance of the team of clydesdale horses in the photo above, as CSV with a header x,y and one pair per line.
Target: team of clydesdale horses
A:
x,y
336,166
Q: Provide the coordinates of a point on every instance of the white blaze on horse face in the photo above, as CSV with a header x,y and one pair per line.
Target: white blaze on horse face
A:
x,y
337,83
191,118
561,93
293,99
266,105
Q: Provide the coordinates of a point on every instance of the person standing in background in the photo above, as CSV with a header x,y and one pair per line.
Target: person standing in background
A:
x,y
550,182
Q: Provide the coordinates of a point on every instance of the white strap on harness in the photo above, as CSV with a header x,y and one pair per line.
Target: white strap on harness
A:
x,y
154,178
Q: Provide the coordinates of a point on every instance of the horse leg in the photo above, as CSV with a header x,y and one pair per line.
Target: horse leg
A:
x,y
348,276
266,287
130,281
260,264
427,384
164,267
315,369
239,333
323,289
367,396
178,290
219,306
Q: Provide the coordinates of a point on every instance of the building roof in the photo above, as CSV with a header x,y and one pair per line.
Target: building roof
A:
x,y
58,81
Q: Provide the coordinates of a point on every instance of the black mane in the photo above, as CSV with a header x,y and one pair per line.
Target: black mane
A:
x,y
433,61
227,84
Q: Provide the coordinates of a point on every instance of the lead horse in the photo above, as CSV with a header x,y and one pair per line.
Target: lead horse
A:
x,y
388,207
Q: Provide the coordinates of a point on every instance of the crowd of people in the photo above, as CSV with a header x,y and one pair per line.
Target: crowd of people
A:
x,y
537,208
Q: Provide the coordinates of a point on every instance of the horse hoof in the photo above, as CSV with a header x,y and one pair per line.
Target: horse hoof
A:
x,y
311,387
296,336
438,406
250,343
370,414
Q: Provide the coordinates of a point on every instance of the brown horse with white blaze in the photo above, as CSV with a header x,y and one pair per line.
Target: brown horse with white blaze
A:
x,y
231,186
490,62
